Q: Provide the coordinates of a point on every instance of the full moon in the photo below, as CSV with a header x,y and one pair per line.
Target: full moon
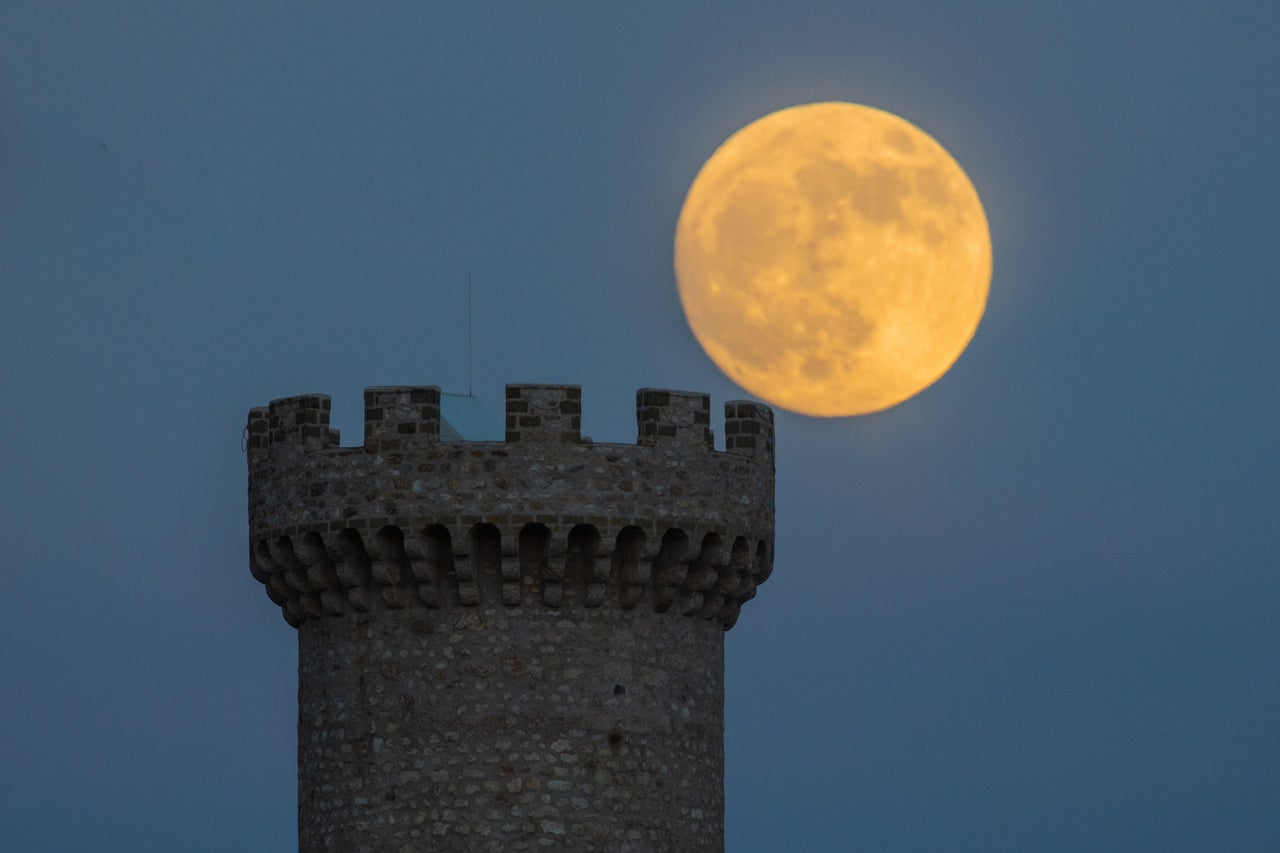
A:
x,y
833,259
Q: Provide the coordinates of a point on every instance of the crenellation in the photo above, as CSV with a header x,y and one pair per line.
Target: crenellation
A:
x,y
748,428
673,418
544,414
299,424
258,434
398,417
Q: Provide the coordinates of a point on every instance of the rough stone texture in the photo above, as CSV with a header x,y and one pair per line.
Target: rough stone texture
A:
x,y
510,645
506,729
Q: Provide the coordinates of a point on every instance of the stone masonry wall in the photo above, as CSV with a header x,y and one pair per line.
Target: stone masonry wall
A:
x,y
521,729
508,645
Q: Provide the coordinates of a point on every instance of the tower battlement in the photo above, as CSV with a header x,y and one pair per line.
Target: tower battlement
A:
x,y
510,644
402,416
544,517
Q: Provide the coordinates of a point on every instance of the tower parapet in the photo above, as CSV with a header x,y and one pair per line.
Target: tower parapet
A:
x,y
303,485
516,642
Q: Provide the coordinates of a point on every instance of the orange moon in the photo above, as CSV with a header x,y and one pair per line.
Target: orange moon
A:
x,y
833,259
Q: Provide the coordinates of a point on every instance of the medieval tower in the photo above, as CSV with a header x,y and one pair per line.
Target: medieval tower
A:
x,y
510,645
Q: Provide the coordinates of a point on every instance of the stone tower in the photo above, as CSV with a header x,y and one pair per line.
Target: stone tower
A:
x,y
510,645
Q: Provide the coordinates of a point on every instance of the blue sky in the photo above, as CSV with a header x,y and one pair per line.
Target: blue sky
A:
x,y
1034,608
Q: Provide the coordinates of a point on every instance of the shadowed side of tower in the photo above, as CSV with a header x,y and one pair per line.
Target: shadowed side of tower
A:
x,y
510,645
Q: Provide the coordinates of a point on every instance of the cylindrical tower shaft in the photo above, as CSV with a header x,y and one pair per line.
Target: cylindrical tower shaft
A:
x,y
491,729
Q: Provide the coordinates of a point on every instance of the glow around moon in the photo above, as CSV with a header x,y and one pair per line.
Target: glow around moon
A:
x,y
833,259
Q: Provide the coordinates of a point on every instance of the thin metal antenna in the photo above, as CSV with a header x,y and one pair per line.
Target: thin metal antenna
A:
x,y
469,394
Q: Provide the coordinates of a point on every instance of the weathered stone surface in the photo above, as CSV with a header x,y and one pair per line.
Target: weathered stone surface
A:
x,y
502,729
510,645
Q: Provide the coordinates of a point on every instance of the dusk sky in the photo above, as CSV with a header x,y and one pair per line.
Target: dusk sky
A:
x,y
1035,608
